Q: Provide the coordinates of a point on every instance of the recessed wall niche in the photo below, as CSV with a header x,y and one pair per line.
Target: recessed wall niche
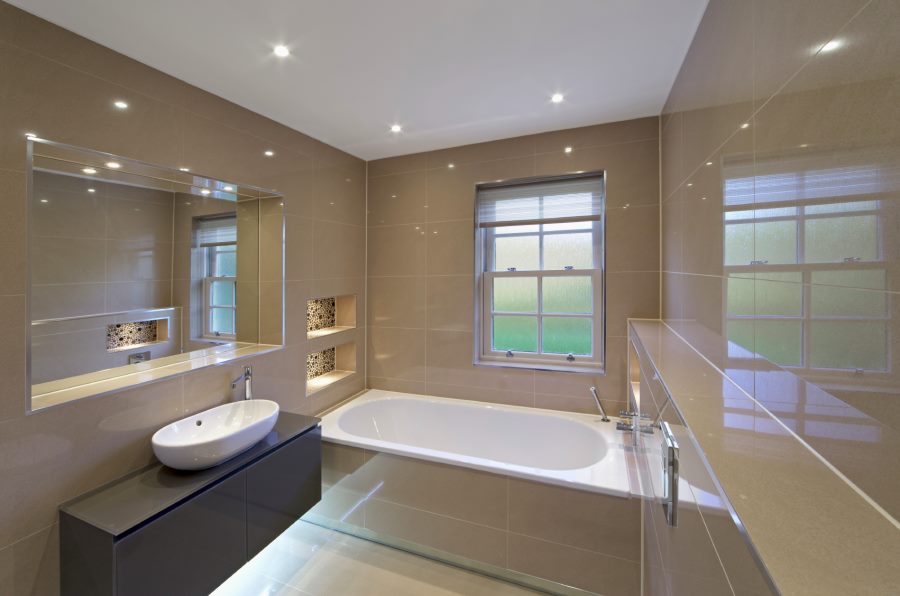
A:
x,y
125,336
331,314
329,366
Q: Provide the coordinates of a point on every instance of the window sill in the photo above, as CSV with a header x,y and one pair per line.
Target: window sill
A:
x,y
545,366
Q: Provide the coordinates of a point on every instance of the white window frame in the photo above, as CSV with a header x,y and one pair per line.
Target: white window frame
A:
x,y
211,270
208,308
485,355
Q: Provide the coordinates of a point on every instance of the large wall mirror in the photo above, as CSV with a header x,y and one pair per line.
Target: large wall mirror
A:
x,y
140,272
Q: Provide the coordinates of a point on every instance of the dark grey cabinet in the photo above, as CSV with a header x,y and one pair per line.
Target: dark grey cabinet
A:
x,y
160,531
281,488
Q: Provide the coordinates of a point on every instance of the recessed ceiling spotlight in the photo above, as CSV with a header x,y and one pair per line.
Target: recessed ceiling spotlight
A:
x,y
89,170
228,188
184,169
122,105
557,98
92,190
204,191
832,45
396,128
745,125
709,163
281,51
113,165
804,145
31,135
268,153
690,184
44,201
451,165
568,150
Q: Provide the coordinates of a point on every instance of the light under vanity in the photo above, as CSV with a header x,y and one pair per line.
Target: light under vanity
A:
x,y
139,272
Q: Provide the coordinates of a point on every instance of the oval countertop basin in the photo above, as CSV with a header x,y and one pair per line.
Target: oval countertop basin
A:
x,y
213,436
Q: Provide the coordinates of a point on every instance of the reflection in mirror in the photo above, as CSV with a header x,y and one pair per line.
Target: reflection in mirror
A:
x,y
139,270
799,227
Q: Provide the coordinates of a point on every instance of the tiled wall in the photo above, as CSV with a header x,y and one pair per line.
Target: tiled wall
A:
x,y
421,261
61,86
760,119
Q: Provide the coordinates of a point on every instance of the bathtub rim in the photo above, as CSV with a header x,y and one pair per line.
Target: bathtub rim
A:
x,y
613,475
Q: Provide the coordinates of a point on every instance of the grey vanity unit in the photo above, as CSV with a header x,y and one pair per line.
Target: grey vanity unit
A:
x,y
161,532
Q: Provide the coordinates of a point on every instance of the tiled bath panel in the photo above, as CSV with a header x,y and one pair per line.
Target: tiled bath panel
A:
x,y
308,560
320,363
320,313
488,521
123,335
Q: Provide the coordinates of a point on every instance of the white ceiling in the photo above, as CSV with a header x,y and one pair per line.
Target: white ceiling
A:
x,y
451,72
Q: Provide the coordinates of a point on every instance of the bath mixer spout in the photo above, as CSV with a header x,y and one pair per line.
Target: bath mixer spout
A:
x,y
247,378
603,416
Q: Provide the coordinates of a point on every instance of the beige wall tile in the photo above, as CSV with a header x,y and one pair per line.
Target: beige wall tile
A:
x,y
599,135
398,199
401,385
397,250
481,152
591,521
396,353
454,536
397,165
451,191
630,295
460,493
583,569
451,247
632,239
340,250
450,355
450,302
397,302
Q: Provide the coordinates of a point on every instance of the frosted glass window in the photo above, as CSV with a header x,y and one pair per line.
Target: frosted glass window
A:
x,y
519,252
834,239
568,295
565,335
776,241
568,250
515,294
848,345
515,333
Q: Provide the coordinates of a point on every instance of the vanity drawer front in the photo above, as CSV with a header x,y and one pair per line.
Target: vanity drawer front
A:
x,y
190,550
281,488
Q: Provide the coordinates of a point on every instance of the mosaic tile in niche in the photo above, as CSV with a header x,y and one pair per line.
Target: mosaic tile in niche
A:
x,y
320,363
320,313
122,335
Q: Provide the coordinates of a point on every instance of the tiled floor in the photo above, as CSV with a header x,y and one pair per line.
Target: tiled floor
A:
x,y
308,560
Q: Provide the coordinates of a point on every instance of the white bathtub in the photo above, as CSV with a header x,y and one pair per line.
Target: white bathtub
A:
x,y
574,450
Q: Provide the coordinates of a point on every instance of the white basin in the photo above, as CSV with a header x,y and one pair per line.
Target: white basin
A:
x,y
213,436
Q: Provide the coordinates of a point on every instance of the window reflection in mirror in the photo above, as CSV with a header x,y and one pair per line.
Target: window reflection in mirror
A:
x,y
795,229
138,268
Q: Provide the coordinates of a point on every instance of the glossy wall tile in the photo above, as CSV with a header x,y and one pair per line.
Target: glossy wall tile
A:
x,y
781,220
421,254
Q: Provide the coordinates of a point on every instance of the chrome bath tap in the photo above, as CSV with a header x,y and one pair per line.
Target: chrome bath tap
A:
x,y
603,416
247,377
